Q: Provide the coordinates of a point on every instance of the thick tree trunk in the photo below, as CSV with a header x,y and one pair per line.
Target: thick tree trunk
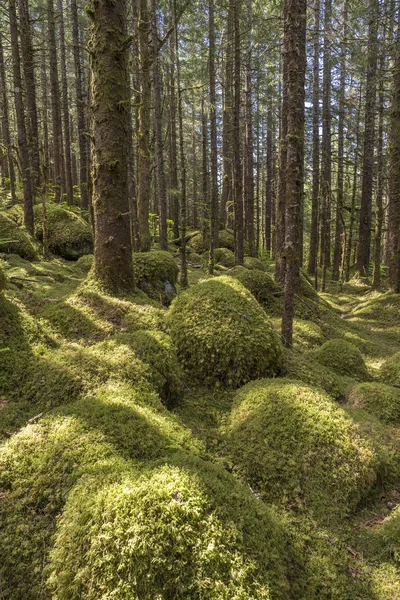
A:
x,y
110,92
295,58
21,125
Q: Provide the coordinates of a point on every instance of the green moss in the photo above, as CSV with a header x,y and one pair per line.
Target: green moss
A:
x,y
15,239
222,256
379,399
295,445
84,263
262,286
156,274
307,334
390,535
225,240
390,370
250,262
197,243
222,334
68,234
341,357
3,280
183,530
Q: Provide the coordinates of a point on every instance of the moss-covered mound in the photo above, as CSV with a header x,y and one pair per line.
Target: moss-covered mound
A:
x,y
379,399
222,256
15,240
222,334
68,235
182,530
390,370
3,280
225,240
390,535
84,263
295,445
341,357
250,262
262,286
156,274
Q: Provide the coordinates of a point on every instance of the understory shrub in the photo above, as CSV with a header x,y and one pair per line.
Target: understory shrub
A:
x,y
222,334
296,446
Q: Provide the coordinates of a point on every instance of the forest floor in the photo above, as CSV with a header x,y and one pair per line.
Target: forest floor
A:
x,y
66,356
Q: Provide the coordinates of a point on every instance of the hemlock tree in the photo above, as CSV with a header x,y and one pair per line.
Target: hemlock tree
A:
x,y
109,46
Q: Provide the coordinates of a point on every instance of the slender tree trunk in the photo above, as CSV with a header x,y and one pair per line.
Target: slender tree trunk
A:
x,y
249,160
238,174
364,236
295,58
213,140
110,90
205,172
280,208
4,110
269,183
21,125
55,103
227,122
194,168
173,152
313,254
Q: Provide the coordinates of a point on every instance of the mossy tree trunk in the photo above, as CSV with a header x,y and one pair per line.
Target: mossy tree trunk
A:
x,y
213,140
4,110
65,107
110,103
227,122
295,58
280,207
238,174
249,149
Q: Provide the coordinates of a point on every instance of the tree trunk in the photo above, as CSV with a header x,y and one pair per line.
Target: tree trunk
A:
x,y
249,160
213,141
173,151
4,110
110,89
313,254
280,208
227,123
238,174
295,58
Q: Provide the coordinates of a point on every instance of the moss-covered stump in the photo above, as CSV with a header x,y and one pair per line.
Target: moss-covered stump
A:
x,y
379,399
15,239
222,334
222,256
296,446
390,370
262,286
68,235
301,367
343,358
156,274
183,530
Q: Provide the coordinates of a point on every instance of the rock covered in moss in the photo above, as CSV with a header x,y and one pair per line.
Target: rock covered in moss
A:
x,y
222,334
251,262
390,370
225,240
262,286
15,239
389,533
84,263
222,256
156,274
341,357
68,234
295,445
181,530
379,399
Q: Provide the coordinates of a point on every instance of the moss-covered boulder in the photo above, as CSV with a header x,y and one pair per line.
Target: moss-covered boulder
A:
x,y
389,533
84,263
68,235
222,334
341,357
225,240
390,370
156,274
182,530
222,256
251,262
15,239
262,286
379,399
296,446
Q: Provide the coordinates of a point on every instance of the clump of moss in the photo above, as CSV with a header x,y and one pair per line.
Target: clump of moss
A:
x,y
296,446
225,240
68,235
341,357
222,334
390,535
250,262
15,240
379,399
156,274
262,286
3,280
182,530
84,263
222,256
390,370
303,368
197,243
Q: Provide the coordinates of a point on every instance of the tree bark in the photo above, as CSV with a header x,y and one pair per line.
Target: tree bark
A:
x,y
213,141
4,109
313,253
238,174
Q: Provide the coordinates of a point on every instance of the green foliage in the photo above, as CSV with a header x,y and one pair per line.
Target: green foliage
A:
x,y
390,370
222,334
15,239
69,235
341,357
303,368
156,274
262,286
295,445
181,530
379,399
222,256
